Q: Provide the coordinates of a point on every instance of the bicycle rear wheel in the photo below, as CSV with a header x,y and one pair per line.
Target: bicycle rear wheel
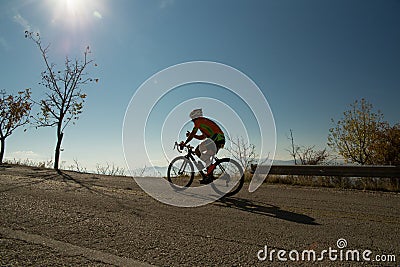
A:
x,y
228,177
180,173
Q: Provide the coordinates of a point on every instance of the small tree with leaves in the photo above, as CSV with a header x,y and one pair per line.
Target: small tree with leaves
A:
x,y
14,112
64,97
355,136
387,148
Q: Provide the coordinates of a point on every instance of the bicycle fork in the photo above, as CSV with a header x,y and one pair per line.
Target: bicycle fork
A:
x,y
182,169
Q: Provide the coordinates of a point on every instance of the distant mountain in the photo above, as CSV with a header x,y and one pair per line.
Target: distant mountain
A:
x,y
160,171
283,162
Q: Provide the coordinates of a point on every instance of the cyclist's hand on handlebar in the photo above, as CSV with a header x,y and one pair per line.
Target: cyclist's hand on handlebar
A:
x,y
181,145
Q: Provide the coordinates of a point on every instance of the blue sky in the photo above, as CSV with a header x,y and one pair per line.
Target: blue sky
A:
x,y
310,58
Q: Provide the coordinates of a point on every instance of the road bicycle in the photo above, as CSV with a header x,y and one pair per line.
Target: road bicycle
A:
x,y
226,176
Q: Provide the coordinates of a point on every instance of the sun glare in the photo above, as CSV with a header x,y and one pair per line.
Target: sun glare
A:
x,y
75,20
74,13
73,7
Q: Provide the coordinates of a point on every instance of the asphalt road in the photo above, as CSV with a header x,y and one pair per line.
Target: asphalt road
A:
x,y
74,219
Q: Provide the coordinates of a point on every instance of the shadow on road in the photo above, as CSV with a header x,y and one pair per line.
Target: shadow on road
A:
x,y
39,176
31,176
44,176
88,184
265,209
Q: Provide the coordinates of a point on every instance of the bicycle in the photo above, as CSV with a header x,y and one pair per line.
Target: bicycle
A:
x,y
225,173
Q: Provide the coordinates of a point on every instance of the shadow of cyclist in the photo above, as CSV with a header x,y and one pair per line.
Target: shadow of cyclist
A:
x,y
265,209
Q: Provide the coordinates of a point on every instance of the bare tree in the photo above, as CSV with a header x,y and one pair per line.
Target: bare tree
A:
x,y
293,148
77,167
64,98
110,169
14,112
310,156
243,152
306,155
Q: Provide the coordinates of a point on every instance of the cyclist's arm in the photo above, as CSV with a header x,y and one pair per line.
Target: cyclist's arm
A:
x,y
200,137
191,136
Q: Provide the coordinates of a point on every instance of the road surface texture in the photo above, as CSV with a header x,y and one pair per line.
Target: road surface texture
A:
x,y
70,219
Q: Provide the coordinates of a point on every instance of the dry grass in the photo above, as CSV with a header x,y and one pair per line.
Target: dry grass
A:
x,y
108,169
30,163
360,183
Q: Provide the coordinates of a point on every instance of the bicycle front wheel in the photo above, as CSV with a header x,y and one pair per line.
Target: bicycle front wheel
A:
x,y
228,177
180,173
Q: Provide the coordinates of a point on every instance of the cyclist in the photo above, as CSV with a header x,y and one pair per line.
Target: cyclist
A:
x,y
213,136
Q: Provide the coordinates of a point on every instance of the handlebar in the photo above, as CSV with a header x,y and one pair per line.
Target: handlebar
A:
x,y
178,147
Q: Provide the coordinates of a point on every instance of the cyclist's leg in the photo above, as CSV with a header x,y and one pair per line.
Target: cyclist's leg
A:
x,y
199,164
210,151
197,151
219,144
200,152
219,141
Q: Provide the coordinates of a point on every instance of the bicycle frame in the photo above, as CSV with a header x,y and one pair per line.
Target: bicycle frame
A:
x,y
190,157
221,174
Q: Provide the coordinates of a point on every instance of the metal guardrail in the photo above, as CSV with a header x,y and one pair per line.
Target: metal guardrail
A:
x,y
321,170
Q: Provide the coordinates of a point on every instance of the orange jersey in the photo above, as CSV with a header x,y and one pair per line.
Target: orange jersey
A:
x,y
207,127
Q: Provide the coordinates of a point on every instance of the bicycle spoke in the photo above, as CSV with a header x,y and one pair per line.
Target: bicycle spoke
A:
x,y
180,172
228,177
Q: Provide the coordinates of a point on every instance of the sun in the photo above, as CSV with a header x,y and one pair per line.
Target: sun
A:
x,y
74,13
71,8
74,20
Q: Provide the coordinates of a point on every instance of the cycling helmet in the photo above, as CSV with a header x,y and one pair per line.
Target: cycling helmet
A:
x,y
196,113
